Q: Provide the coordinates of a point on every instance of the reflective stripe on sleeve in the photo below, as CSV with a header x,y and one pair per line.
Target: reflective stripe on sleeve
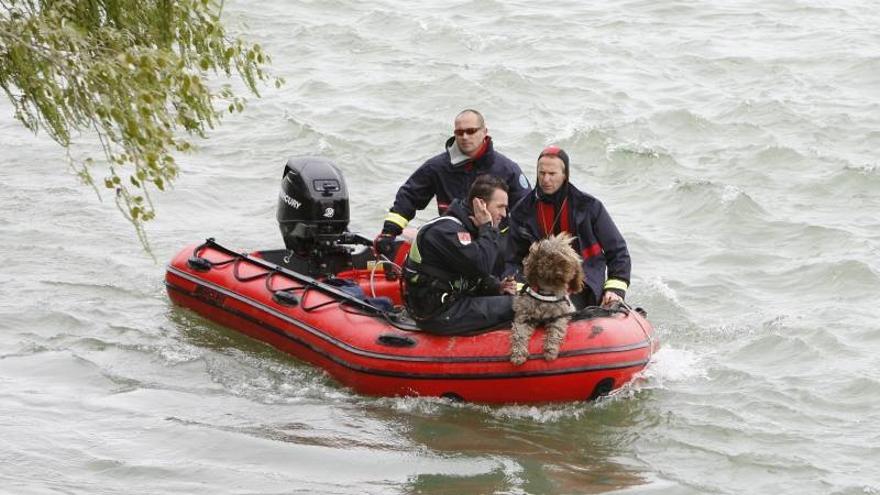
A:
x,y
396,219
613,283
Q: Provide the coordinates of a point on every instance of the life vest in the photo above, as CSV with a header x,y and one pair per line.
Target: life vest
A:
x,y
428,290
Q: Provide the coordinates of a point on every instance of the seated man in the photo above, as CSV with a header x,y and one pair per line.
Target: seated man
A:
x,y
449,176
555,206
449,282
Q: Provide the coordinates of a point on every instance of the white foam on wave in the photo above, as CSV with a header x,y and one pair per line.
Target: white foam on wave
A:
x,y
674,365
635,148
415,405
730,193
269,381
657,284
567,132
173,353
667,365
544,413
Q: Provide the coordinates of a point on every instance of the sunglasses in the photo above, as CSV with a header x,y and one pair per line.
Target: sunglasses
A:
x,y
469,131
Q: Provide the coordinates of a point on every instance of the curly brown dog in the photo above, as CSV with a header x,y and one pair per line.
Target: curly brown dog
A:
x,y
552,270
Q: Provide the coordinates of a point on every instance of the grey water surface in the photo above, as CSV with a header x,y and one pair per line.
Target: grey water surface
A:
x,y
734,143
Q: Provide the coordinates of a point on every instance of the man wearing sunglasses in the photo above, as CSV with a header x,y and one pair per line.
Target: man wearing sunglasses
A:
x,y
449,175
556,206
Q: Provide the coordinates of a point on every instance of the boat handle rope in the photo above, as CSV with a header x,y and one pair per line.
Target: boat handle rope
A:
x,y
286,300
382,260
271,273
648,336
249,278
285,296
269,287
203,264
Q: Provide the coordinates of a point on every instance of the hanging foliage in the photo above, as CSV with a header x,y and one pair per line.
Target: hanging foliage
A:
x,y
132,72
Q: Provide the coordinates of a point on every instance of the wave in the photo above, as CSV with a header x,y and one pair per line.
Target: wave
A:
x,y
776,155
640,158
804,240
761,354
704,201
855,182
844,276
864,70
683,122
767,114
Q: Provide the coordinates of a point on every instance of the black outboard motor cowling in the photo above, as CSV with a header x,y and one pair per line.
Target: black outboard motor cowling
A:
x,y
312,205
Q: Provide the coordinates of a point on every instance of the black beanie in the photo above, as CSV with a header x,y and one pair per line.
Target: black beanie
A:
x,y
558,153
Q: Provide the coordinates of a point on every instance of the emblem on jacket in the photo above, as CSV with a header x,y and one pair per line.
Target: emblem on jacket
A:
x,y
464,238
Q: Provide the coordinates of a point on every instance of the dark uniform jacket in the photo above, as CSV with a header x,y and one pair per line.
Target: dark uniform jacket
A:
x,y
450,179
452,258
597,240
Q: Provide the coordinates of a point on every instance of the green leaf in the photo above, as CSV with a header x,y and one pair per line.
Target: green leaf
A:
x,y
132,73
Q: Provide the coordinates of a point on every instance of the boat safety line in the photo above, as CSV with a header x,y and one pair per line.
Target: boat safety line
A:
x,y
363,352
420,376
273,268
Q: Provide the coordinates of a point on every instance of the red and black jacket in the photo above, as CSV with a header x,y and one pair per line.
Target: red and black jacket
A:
x,y
597,238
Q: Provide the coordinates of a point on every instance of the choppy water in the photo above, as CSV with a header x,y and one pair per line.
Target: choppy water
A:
x,y
733,142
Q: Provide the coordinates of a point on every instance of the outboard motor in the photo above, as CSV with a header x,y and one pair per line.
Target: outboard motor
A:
x,y
313,217
312,205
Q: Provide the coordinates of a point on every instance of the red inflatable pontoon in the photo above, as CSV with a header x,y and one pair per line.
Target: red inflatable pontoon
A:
x,y
377,352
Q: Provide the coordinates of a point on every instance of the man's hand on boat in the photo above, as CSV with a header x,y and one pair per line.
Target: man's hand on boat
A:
x,y
383,244
610,297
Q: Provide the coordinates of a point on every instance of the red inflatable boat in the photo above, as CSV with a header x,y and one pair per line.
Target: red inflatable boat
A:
x,y
376,352
324,299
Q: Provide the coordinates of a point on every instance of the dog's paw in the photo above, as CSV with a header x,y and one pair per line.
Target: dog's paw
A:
x,y
518,358
550,354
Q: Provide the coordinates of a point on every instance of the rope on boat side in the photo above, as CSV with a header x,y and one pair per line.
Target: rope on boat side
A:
x,y
383,260
644,331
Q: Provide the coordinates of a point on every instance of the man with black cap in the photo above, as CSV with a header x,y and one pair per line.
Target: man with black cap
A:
x,y
449,175
554,206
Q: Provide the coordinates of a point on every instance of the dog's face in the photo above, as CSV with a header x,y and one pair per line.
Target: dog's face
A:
x,y
553,265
